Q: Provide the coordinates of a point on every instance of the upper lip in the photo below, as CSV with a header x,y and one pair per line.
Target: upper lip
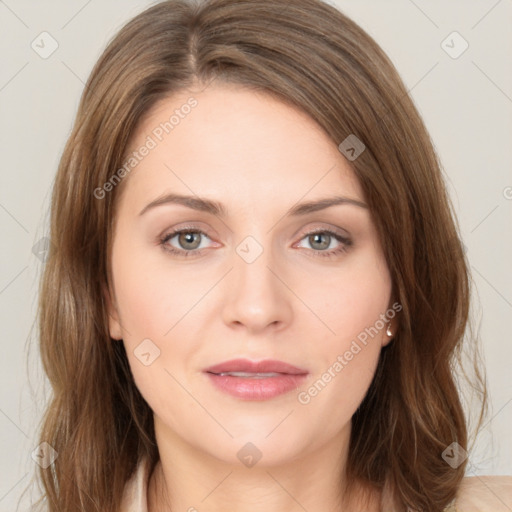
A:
x,y
245,365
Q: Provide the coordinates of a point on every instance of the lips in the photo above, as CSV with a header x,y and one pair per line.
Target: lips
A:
x,y
255,380
255,367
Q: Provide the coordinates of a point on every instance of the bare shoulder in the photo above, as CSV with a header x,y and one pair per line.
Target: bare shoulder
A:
x,y
485,494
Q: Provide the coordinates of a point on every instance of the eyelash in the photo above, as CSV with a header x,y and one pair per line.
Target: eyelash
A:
x,y
345,243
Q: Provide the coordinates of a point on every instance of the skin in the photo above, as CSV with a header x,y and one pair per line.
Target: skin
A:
x,y
259,157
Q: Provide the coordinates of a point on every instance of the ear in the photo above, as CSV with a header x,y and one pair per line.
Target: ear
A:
x,y
114,325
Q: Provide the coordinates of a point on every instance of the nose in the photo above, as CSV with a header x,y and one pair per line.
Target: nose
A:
x,y
257,296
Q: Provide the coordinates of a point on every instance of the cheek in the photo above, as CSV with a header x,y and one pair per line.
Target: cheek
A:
x,y
351,300
349,361
156,304
152,296
350,348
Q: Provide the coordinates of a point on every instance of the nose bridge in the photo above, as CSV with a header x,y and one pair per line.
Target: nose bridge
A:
x,y
252,273
257,297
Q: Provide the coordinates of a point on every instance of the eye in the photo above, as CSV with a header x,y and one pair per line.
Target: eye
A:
x,y
188,240
321,239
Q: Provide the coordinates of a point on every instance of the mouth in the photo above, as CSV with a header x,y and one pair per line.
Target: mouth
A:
x,y
249,380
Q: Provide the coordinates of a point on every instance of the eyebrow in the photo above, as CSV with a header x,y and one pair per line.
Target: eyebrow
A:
x,y
218,209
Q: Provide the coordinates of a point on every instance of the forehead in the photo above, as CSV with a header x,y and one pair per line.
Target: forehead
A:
x,y
236,144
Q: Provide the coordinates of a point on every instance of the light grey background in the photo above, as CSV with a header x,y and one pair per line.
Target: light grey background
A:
x,y
466,103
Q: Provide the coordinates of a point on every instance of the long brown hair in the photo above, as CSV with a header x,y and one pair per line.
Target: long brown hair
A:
x,y
310,55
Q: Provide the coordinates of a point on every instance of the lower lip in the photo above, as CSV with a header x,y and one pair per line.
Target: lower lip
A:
x,y
256,389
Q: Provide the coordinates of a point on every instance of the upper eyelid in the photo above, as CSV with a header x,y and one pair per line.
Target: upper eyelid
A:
x,y
191,227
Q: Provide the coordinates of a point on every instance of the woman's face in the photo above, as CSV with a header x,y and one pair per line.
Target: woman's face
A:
x,y
252,282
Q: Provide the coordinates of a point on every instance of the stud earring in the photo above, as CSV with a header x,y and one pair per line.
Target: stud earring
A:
x,y
388,331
